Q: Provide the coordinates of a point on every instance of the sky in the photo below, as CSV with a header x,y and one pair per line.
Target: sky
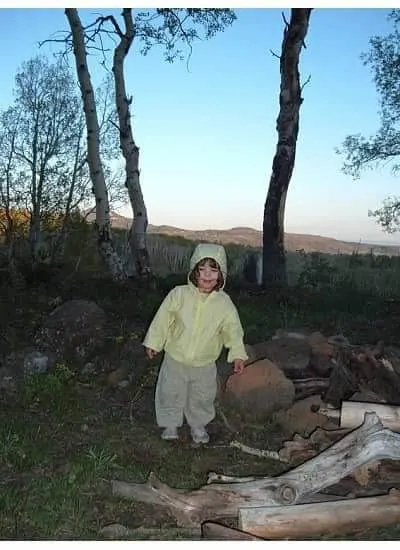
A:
x,y
207,132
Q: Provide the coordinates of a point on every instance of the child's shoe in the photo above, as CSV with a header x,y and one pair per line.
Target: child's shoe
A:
x,y
170,433
200,435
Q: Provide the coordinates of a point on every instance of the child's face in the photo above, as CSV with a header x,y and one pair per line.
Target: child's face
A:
x,y
208,278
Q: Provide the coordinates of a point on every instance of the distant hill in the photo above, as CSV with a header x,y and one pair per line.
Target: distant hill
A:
x,y
247,236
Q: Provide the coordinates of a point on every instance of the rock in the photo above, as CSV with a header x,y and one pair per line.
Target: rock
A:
x,y
292,355
88,368
114,531
73,331
301,419
36,362
7,381
117,376
260,390
225,369
321,354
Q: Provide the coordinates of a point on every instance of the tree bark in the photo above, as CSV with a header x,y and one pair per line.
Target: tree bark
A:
x,y
103,222
274,260
368,443
322,518
129,148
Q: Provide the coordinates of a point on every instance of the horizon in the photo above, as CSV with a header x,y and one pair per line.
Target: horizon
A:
x,y
351,241
213,127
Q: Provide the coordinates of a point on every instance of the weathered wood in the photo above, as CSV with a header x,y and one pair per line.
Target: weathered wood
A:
x,y
351,414
342,381
304,387
299,448
215,531
370,442
304,520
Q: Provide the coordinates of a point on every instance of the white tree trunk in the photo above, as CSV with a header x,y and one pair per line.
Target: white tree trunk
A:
x,y
129,148
103,222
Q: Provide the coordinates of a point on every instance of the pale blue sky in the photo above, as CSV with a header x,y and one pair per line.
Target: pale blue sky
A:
x,y
207,137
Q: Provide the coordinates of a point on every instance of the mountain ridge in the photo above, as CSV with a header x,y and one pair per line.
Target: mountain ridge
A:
x,y
247,236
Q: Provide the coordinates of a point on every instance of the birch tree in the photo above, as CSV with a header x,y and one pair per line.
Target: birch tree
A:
x,y
287,125
103,223
169,28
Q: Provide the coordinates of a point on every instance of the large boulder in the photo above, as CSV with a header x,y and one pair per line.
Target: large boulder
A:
x,y
73,331
260,390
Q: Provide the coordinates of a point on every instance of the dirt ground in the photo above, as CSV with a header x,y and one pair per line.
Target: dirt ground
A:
x,y
61,444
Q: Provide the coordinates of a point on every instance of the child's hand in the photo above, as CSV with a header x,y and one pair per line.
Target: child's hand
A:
x,y
151,353
238,366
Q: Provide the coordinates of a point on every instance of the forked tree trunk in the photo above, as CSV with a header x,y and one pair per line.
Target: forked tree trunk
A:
x,y
103,222
274,260
129,148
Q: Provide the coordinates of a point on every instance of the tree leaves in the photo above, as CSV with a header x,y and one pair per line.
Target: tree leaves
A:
x,y
382,149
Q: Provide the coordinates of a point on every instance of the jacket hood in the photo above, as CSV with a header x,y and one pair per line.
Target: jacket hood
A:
x,y
208,250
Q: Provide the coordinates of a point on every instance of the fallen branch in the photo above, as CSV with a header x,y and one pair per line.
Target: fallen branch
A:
x,y
351,414
368,443
323,518
263,453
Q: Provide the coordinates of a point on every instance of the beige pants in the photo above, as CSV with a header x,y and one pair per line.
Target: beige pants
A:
x,y
185,391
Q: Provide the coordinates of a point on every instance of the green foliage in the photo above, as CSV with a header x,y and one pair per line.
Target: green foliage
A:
x,y
383,148
48,388
171,27
317,271
12,449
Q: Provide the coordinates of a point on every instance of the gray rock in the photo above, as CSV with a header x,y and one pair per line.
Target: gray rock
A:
x,y
88,368
36,362
7,381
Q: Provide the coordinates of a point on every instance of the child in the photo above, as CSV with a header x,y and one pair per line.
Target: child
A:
x,y
192,325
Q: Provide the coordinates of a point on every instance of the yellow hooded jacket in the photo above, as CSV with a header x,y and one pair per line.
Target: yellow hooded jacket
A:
x,y
192,327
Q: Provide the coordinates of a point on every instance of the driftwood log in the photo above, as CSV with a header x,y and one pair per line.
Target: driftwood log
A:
x,y
368,443
351,414
305,520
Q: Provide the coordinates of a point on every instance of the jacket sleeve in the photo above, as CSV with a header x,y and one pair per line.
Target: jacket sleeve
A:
x,y
232,333
157,332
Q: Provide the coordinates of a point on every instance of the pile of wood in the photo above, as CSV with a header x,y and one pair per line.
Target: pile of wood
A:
x,y
292,505
337,480
334,368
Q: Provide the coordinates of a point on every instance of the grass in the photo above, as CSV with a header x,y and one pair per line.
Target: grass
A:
x,y
65,436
